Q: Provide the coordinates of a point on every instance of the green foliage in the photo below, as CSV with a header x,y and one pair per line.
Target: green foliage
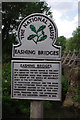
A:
x,y
43,38
64,87
41,28
15,107
77,90
76,97
74,42
47,104
61,41
32,37
7,47
69,44
69,104
6,79
6,58
33,28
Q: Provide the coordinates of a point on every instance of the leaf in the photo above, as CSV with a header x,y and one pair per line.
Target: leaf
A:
x,y
33,28
31,37
43,38
41,28
42,32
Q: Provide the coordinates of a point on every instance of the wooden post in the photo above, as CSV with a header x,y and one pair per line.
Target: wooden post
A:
x,y
36,110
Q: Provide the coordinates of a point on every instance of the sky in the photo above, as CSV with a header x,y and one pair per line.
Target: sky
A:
x,y
65,15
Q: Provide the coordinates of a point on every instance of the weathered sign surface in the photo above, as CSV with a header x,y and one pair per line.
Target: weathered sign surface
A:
x,y
36,72
37,35
36,80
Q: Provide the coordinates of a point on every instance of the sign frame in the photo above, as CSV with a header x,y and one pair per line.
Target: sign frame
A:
x,y
29,98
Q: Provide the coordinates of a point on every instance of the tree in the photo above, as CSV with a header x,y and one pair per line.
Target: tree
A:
x,y
12,14
69,45
61,41
74,42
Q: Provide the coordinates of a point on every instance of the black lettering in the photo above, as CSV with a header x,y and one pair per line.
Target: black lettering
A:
x,y
39,18
25,25
34,19
28,22
25,52
27,65
51,31
40,52
44,21
48,52
22,33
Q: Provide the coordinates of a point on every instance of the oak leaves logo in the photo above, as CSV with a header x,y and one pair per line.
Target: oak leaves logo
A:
x,y
39,34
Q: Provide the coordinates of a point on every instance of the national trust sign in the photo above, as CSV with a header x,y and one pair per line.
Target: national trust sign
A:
x,y
37,35
36,64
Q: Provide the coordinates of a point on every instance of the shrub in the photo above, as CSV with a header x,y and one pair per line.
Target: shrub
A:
x,y
64,87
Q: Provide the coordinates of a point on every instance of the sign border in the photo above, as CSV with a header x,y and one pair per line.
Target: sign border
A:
x,y
27,61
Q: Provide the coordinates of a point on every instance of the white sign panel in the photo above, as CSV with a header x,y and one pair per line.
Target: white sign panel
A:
x,y
37,35
36,80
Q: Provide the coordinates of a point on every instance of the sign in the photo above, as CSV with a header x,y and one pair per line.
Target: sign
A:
x,y
37,35
36,80
36,72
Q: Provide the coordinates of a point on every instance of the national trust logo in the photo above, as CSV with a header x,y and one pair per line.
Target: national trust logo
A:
x,y
40,37
36,28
